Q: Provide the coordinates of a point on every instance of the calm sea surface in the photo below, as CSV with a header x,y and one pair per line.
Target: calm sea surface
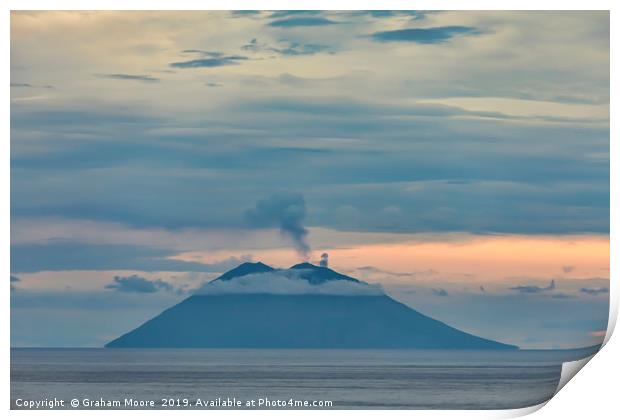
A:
x,y
355,379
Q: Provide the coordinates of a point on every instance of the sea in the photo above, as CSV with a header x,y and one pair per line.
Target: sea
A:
x,y
101,378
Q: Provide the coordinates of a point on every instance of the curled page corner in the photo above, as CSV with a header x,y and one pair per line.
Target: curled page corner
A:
x,y
521,412
570,369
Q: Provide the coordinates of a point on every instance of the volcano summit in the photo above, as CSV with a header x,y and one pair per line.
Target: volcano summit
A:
x,y
305,306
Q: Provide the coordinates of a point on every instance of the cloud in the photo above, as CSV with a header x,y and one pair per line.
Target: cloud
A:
x,y
211,60
203,52
440,292
595,291
285,211
289,49
62,255
28,85
301,21
376,270
534,289
301,49
324,260
566,202
252,45
135,77
436,35
380,14
136,284
285,282
568,268
244,13
294,13
74,168
66,120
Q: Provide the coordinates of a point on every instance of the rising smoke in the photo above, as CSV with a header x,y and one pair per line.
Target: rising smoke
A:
x,y
285,211
324,260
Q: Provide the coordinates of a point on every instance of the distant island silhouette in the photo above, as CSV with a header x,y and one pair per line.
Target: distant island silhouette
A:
x,y
332,310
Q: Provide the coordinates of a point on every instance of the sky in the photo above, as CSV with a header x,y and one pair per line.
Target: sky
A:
x,y
458,159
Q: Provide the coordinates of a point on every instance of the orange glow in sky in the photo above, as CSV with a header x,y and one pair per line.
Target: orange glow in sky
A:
x,y
488,258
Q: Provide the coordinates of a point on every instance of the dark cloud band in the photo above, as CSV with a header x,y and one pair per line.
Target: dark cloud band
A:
x,y
436,35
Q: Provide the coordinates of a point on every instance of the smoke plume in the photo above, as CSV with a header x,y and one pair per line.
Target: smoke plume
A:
x,y
285,211
324,260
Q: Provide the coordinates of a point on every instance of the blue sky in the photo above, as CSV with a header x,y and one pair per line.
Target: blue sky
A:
x,y
142,143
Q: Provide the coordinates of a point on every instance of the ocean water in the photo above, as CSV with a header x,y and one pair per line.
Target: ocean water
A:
x,y
347,379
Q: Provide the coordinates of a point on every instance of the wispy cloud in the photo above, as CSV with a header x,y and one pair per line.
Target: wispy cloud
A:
x,y
376,270
244,13
289,49
301,21
595,291
137,284
534,289
440,292
436,35
203,52
134,77
210,60
278,14
380,14
302,49
30,85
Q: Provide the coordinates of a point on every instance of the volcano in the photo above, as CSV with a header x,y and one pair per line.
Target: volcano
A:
x,y
317,318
